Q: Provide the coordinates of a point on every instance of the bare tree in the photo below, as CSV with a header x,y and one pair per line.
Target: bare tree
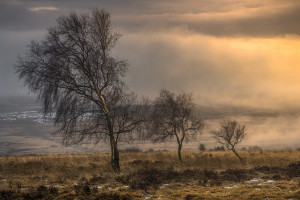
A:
x,y
230,134
174,117
76,76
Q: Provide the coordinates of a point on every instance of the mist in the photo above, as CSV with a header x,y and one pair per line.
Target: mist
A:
x,y
239,58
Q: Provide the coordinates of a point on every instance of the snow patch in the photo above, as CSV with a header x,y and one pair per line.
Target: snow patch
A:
x,y
270,181
230,187
58,186
34,115
254,180
164,185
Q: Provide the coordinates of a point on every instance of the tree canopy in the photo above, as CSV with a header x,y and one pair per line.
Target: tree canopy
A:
x,y
76,76
230,134
174,116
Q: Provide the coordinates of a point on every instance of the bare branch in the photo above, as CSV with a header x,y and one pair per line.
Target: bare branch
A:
x,y
230,134
174,117
77,78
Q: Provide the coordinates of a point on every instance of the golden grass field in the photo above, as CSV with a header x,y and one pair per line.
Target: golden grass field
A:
x,y
153,175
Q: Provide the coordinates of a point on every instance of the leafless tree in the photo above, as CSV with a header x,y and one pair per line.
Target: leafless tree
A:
x,y
76,76
230,134
174,117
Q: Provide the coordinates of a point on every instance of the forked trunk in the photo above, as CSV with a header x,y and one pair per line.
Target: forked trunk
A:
x,y
114,157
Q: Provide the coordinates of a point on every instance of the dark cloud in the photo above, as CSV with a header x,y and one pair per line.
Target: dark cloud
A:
x,y
138,7
262,23
215,17
155,32
14,17
276,23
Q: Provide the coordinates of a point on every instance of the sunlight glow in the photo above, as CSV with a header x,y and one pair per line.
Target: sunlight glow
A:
x,y
36,9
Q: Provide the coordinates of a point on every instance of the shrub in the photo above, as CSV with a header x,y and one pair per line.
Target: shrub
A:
x,y
293,170
150,150
202,147
218,148
234,175
131,149
254,148
145,178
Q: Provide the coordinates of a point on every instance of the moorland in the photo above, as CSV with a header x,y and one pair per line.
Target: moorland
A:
x,y
263,174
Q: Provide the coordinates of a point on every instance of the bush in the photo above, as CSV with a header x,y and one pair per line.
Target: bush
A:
x,y
293,170
147,178
202,147
131,149
255,148
235,175
218,148
83,187
211,174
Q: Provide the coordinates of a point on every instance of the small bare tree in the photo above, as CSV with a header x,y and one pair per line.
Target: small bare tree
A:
x,y
76,76
230,134
174,117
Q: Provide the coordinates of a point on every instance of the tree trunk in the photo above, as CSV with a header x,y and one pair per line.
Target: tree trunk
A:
x,y
237,154
114,159
179,151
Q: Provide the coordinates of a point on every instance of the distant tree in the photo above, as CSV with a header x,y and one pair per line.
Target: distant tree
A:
x,y
132,150
76,76
255,148
244,149
174,116
230,134
219,148
202,147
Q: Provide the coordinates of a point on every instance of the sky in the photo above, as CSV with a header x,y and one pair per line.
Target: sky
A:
x,y
226,52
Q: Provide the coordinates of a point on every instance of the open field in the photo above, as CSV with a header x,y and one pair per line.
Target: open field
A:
x,y
153,175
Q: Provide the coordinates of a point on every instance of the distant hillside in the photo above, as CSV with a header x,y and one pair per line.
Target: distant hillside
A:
x,y
18,103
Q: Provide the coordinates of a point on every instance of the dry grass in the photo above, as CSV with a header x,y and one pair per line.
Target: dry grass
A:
x,y
153,175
